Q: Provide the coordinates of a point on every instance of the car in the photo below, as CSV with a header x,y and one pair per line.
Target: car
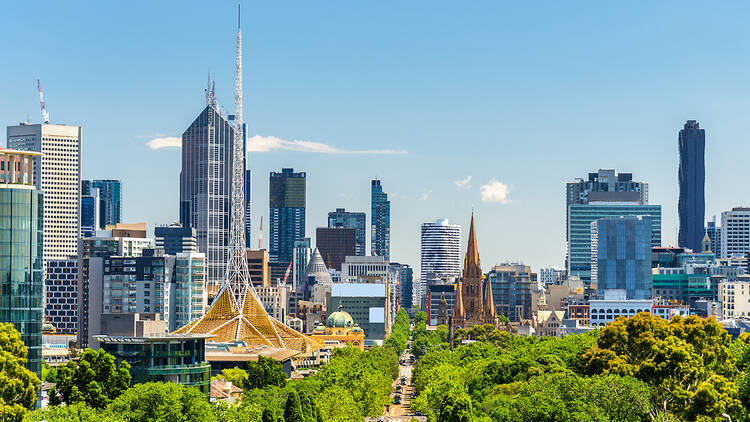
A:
x,y
403,380
398,388
397,399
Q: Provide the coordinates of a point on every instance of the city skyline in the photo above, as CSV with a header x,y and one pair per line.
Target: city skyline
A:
x,y
437,176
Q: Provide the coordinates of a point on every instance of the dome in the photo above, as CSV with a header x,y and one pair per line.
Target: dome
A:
x,y
356,329
339,319
317,269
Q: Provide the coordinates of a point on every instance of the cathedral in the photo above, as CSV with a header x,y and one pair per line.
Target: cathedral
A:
x,y
474,303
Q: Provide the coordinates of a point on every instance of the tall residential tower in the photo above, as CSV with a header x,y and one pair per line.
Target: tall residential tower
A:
x,y
692,176
380,222
441,251
287,192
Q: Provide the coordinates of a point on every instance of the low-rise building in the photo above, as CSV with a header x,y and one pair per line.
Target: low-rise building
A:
x,y
341,327
615,304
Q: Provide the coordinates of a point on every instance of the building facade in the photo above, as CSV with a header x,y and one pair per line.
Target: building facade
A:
x,y
366,303
61,292
691,177
189,296
90,210
287,199
380,222
735,232
351,220
205,189
621,256
176,238
257,266
57,172
440,251
110,195
302,254
406,286
21,264
335,244
580,218
714,235
515,291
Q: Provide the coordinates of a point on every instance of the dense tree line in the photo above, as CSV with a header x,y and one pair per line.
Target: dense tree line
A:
x,y
636,369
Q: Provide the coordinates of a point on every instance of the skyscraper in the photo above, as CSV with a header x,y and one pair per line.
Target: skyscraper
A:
x,y
441,250
90,210
57,173
287,192
714,234
380,222
335,244
692,176
110,193
205,188
21,208
735,232
621,256
406,284
351,220
248,207
176,238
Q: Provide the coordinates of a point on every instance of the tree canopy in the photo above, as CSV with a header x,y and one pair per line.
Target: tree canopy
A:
x,y
18,385
94,379
265,371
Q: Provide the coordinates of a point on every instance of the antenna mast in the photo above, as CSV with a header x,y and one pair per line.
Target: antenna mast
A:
x,y
45,114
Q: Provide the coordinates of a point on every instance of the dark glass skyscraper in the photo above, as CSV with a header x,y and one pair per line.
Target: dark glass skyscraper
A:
x,y
351,220
110,194
692,176
287,192
380,222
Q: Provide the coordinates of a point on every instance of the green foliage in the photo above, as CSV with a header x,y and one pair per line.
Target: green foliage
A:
x,y
49,374
425,340
265,371
18,385
399,333
77,412
236,376
162,402
94,379
293,408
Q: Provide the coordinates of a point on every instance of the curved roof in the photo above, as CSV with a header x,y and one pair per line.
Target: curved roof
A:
x,y
317,268
340,319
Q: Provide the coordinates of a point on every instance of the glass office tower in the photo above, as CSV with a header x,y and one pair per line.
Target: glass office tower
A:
x,y
287,191
380,222
621,256
691,175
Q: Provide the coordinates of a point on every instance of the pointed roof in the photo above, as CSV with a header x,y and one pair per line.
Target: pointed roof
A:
x,y
458,307
706,243
472,265
317,268
489,302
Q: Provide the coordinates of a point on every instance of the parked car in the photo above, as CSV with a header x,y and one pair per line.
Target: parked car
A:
x,y
398,388
403,380
397,399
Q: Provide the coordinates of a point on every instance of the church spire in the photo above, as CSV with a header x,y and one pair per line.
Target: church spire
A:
x,y
458,307
489,302
472,266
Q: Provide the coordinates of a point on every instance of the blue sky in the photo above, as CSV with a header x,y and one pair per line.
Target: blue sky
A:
x,y
516,95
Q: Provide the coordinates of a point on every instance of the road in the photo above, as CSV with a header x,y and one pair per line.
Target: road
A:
x,y
402,412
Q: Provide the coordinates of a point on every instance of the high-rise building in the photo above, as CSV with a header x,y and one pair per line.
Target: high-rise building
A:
x,y
137,284
110,195
61,293
691,177
21,210
335,244
302,253
351,220
257,267
406,284
714,235
176,238
287,193
364,269
380,222
90,210
189,297
58,174
515,291
248,206
441,250
621,256
735,232
580,218
205,188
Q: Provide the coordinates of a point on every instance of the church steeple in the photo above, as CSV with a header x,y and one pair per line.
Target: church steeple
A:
x,y
706,243
489,302
472,265
458,307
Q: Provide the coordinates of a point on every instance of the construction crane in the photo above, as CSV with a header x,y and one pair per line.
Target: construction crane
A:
x,y
45,114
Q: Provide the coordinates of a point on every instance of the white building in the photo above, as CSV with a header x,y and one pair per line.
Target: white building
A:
x,y
441,250
58,174
551,276
275,300
735,232
364,268
614,304
735,299
190,297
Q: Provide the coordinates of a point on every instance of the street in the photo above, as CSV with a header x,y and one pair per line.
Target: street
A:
x,y
402,412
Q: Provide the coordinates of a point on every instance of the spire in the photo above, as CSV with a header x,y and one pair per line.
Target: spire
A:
x,y
489,302
458,307
706,243
472,266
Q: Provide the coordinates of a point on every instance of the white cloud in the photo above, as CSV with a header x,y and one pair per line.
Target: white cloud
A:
x,y
425,196
466,183
165,142
495,191
270,143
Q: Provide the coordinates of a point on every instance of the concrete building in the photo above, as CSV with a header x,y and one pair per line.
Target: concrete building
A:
x,y
735,232
57,172
275,300
691,177
21,266
60,308
189,299
440,251
176,238
549,276
437,292
367,303
351,220
621,256
364,268
735,299
335,244
380,222
287,199
205,188
687,280
257,266
615,304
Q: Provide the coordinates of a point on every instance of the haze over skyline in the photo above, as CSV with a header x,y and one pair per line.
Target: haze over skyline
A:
x,y
482,105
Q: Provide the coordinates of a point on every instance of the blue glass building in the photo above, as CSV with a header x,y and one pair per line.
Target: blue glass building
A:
x,y
580,218
691,176
621,255
380,222
287,199
351,220
406,282
110,193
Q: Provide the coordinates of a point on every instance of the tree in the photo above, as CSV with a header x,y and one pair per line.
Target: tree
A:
x,y
293,408
268,416
95,379
265,371
77,412
307,407
49,374
162,402
18,385
456,408
236,376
